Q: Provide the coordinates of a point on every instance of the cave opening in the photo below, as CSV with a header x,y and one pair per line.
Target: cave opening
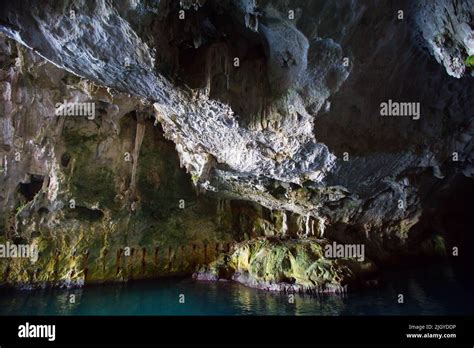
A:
x,y
29,189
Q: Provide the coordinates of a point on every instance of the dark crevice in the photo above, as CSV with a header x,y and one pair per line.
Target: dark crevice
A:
x,y
29,189
84,213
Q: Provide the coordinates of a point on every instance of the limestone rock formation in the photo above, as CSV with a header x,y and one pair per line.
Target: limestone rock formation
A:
x,y
289,266
273,109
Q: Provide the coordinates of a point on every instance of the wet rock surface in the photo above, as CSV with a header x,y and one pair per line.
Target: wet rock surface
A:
x,y
272,109
290,266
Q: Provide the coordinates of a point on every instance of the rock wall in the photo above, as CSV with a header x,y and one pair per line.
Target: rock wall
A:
x,y
224,121
97,207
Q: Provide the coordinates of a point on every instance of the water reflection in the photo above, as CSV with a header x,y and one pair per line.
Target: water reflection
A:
x,y
427,291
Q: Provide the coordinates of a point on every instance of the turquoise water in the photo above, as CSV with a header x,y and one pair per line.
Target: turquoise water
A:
x,y
433,291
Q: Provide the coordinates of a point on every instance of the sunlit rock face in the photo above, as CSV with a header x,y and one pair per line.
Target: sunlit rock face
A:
x,y
273,64
290,266
89,192
277,103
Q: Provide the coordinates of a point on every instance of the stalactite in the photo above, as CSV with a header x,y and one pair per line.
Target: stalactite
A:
x,y
209,64
307,226
321,226
136,151
284,223
263,117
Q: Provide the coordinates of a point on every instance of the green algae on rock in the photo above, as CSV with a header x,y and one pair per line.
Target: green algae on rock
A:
x,y
111,199
290,265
